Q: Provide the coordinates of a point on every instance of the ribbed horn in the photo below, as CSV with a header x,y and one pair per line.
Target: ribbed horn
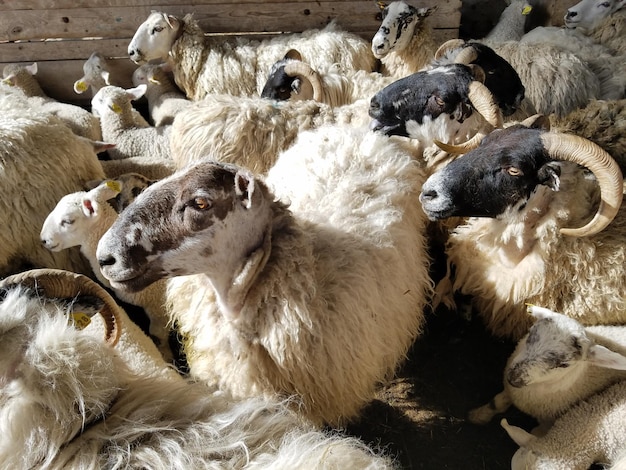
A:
x,y
483,102
57,283
448,46
576,149
466,56
306,71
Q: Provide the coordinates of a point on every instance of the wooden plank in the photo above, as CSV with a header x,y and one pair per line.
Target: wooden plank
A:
x,y
122,22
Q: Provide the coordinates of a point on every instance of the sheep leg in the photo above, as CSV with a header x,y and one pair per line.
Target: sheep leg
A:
x,y
498,404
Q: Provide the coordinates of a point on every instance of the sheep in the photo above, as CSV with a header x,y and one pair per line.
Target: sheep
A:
x,y
251,131
41,160
81,218
70,400
587,13
203,65
79,120
555,365
292,78
524,192
113,105
165,100
320,299
403,42
512,24
591,432
448,103
602,122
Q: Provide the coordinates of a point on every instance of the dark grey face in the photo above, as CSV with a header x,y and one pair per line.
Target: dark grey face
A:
x,y
279,85
500,77
169,227
501,172
420,96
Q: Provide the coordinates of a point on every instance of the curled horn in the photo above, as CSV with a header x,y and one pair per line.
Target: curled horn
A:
x,y
57,283
483,102
448,46
584,152
305,70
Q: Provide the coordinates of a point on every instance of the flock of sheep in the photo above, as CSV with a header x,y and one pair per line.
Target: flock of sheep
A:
x,y
277,207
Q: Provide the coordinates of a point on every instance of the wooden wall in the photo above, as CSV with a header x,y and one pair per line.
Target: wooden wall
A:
x,y
60,34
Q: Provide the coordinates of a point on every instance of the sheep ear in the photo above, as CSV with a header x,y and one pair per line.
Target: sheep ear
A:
x,y
171,21
32,69
604,357
520,437
540,312
245,188
425,12
137,92
549,175
88,208
106,76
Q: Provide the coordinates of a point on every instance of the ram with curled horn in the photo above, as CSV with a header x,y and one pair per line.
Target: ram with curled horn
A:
x,y
446,104
545,225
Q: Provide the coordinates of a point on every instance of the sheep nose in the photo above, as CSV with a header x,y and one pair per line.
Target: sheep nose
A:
x,y
428,195
108,260
570,14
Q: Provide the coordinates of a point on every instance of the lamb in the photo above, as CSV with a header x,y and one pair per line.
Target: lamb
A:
x,y
292,78
81,218
113,105
519,246
320,300
70,399
251,132
79,120
591,432
165,100
556,365
404,42
204,65
41,160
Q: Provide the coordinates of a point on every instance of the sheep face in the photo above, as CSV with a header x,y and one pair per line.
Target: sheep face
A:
x,y
96,73
154,38
200,220
396,30
68,223
111,100
555,345
426,105
280,85
499,174
588,12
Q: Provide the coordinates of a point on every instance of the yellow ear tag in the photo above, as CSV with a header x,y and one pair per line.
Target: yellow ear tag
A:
x,y
81,320
154,80
527,9
116,108
81,86
8,81
113,186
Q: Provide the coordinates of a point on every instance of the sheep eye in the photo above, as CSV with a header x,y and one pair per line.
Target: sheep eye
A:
x,y
157,29
201,203
605,4
514,171
65,222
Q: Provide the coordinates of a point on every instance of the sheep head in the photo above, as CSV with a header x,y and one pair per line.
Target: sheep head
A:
x,y
587,13
154,38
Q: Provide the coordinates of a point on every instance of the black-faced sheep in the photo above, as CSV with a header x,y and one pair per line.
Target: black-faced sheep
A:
x,y
319,299
203,65
69,400
527,197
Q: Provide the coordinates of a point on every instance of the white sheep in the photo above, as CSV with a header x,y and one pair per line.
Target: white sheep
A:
x,y
41,160
69,400
524,192
591,432
78,119
588,13
165,100
81,218
557,364
114,108
320,299
251,132
292,78
203,65
512,22
404,42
